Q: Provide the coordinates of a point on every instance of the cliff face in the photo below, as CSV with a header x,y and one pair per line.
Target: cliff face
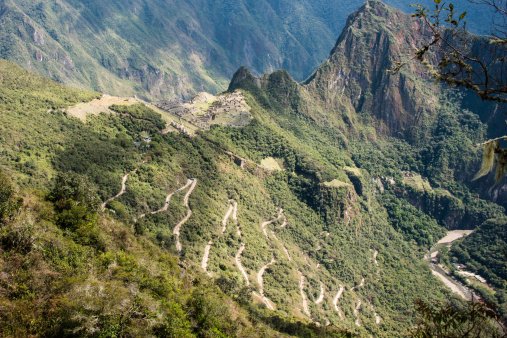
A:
x,y
356,73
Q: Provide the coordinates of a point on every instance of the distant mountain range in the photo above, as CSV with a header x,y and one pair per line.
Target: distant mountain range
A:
x,y
159,49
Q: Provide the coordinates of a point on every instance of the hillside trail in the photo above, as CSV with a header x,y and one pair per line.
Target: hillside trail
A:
x,y
167,200
238,263
375,254
360,285
356,312
260,280
335,302
207,249
235,216
242,247
204,263
178,226
322,294
122,191
273,261
280,215
303,296
377,317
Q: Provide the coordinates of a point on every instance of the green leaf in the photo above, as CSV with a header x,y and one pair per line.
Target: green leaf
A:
x,y
451,7
462,16
438,1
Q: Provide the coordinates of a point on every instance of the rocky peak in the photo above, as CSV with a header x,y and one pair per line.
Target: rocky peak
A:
x,y
243,78
355,74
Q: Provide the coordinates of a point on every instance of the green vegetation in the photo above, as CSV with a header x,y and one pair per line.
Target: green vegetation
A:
x,y
350,221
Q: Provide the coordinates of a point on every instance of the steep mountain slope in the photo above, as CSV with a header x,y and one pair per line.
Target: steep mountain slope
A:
x,y
334,231
168,49
66,268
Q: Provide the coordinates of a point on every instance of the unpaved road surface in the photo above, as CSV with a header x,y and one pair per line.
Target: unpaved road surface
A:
x,y
122,191
450,284
356,287
206,256
238,263
303,295
356,312
321,297
177,228
261,285
167,199
336,299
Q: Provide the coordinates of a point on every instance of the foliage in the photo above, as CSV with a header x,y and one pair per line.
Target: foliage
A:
x,y
139,117
476,63
8,202
444,320
483,252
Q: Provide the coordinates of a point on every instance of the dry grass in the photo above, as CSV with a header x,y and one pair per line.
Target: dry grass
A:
x,y
353,170
270,163
336,184
97,106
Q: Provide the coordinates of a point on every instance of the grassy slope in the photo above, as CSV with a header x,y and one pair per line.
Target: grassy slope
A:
x,y
53,276
175,157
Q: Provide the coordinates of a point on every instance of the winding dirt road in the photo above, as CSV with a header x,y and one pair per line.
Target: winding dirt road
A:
x,y
356,287
207,249
205,257
166,204
322,294
177,228
261,281
303,295
224,221
377,317
122,191
335,302
238,263
356,312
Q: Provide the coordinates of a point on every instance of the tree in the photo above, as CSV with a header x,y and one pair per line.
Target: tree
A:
x,y
453,55
476,320
8,202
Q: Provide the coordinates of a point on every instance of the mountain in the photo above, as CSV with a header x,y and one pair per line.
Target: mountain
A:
x,y
168,49
269,209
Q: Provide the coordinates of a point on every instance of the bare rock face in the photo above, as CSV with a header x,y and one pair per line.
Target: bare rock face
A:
x,y
356,73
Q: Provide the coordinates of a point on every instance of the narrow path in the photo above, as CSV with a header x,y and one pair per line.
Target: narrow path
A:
x,y
284,219
224,221
122,191
261,281
210,243
303,295
283,246
356,287
321,297
167,200
377,317
356,312
235,216
177,228
205,257
375,254
335,302
238,263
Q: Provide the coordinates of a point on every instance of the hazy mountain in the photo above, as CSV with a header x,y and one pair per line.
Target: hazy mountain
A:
x,y
169,49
